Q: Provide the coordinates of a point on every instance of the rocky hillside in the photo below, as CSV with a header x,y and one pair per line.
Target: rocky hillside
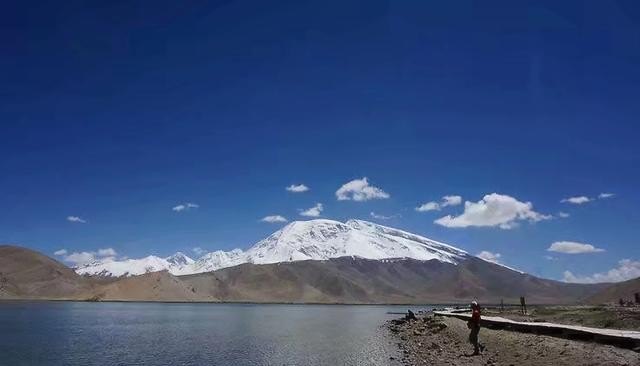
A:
x,y
155,286
26,274
613,293
356,280
29,275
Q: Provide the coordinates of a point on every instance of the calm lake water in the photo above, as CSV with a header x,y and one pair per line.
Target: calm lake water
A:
x,y
77,333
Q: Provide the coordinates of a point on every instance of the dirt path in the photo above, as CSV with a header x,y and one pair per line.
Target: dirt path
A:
x,y
443,341
616,317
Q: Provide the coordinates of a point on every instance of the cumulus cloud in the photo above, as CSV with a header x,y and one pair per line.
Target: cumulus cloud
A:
x,y
493,210
606,195
627,269
577,200
107,252
273,219
314,211
572,247
299,188
563,215
429,206
451,201
490,257
199,251
435,206
76,219
383,217
81,258
185,207
360,190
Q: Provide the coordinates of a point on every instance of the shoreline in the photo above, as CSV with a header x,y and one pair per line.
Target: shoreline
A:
x,y
221,302
433,305
232,302
438,341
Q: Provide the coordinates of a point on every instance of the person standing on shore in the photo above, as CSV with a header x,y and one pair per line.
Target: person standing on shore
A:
x,y
474,326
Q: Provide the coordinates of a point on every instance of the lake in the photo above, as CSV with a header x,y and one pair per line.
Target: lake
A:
x,y
83,333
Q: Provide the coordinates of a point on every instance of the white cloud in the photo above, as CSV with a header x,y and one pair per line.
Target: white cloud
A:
x,y
314,211
76,219
299,188
627,269
273,219
577,200
360,190
451,201
572,247
80,258
488,256
185,207
429,206
493,210
107,252
199,251
435,206
563,215
383,217
550,258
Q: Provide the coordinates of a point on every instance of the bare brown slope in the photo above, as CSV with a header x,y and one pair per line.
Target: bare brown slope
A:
x,y
348,280
28,274
613,293
156,286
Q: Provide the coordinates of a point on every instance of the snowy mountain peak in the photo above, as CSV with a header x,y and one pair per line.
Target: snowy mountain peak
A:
x,y
299,240
218,259
179,259
126,267
325,239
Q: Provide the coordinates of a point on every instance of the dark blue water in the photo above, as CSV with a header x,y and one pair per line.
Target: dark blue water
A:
x,y
77,333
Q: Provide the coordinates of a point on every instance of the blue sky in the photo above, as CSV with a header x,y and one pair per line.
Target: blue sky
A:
x,y
117,113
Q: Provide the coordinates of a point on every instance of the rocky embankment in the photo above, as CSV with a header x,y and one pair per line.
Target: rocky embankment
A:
x,y
430,340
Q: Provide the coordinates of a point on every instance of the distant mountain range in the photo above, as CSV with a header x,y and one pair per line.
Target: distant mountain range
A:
x,y
317,261
299,240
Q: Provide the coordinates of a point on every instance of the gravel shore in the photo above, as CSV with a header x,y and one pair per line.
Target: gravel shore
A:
x,y
443,341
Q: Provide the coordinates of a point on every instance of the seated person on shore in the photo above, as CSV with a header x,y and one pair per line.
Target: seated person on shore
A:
x,y
474,325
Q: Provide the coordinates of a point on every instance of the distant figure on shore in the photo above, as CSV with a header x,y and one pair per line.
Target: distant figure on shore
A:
x,y
411,315
474,326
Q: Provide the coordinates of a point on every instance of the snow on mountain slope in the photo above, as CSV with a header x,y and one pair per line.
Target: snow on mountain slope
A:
x,y
218,259
176,264
324,239
179,259
299,240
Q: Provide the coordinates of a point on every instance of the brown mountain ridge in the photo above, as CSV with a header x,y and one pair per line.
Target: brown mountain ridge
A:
x,y
26,274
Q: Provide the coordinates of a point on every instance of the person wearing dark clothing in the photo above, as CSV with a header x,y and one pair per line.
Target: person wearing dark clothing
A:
x,y
411,315
474,326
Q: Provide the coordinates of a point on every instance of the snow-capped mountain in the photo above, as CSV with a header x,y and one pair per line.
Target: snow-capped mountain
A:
x,y
299,240
325,239
177,264
219,259
179,259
